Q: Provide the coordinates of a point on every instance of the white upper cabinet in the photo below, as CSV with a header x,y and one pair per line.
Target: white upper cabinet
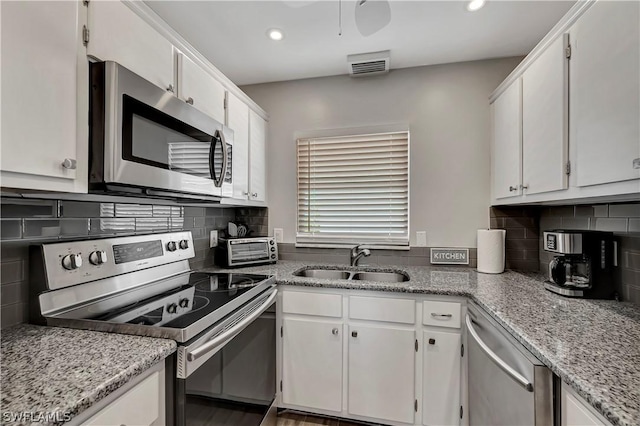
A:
x,y
238,121
118,34
507,142
545,147
257,159
605,92
44,96
200,89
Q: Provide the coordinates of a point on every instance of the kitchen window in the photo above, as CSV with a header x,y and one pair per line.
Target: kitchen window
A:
x,y
354,189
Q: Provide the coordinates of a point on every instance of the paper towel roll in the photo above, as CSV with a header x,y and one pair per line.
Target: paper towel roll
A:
x,y
491,250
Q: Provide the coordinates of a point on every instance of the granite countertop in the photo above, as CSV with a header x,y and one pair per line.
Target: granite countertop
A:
x,y
593,345
60,371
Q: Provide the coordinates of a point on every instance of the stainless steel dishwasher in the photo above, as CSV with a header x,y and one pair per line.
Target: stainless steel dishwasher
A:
x,y
507,384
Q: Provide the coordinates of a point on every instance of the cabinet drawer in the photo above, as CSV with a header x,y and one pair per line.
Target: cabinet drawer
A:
x,y
382,309
441,314
127,410
324,305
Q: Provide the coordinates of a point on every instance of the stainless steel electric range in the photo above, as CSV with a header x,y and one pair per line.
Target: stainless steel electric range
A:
x,y
223,323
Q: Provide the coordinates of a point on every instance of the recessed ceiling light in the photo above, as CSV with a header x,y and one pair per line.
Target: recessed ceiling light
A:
x,y
475,5
275,34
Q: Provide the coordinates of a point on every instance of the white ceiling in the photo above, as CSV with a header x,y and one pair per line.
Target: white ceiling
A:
x,y
232,34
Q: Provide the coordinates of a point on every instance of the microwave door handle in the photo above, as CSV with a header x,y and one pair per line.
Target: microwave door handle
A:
x,y
217,180
519,378
232,332
225,161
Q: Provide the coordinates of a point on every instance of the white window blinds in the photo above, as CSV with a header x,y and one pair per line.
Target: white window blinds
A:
x,y
354,189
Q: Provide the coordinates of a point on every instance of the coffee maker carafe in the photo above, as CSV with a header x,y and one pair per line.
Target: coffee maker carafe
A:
x,y
584,265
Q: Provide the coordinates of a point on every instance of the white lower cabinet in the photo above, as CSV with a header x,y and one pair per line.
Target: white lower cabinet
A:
x,y
382,373
312,364
575,411
367,356
140,404
441,360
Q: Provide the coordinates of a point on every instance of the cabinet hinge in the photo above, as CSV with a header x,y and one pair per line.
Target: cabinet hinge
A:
x,y
226,103
461,411
85,35
416,345
280,385
567,52
85,2
567,168
415,405
281,332
462,350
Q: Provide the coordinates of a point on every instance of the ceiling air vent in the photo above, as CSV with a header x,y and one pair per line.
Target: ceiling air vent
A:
x,y
368,63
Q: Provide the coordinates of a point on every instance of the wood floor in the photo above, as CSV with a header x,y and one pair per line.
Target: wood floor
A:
x,y
300,419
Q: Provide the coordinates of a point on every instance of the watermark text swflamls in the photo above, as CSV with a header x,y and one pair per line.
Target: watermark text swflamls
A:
x,y
35,416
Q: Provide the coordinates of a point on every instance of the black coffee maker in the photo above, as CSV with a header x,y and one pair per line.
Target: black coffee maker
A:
x,y
584,267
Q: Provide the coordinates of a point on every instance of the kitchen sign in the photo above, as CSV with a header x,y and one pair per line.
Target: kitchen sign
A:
x,y
450,256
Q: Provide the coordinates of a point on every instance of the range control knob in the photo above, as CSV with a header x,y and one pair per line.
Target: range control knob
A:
x,y
184,303
271,242
172,308
273,256
98,257
171,246
71,262
184,244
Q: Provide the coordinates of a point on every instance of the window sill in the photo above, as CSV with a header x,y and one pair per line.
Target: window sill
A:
x,y
349,246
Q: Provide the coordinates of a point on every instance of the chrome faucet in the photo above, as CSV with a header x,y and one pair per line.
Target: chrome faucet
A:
x,y
357,253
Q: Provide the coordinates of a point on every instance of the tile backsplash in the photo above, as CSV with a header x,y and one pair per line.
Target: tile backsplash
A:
x,y
31,221
524,242
621,219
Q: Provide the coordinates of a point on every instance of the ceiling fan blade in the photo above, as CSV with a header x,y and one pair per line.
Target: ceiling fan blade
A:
x,y
372,16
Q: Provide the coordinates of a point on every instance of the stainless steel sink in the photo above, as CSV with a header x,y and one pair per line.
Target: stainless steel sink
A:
x,y
387,277
328,274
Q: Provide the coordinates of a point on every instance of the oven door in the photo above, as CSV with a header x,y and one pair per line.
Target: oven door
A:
x,y
228,376
152,139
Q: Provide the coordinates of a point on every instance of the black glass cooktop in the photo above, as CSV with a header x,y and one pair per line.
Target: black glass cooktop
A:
x,y
200,295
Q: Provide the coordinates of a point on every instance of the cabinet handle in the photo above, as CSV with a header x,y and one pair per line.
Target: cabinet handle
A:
x,y
513,188
189,100
435,315
170,88
69,163
523,187
432,341
354,334
245,193
254,194
335,331
636,163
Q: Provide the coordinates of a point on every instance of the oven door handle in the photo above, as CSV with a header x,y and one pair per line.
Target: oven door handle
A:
x,y
519,378
232,332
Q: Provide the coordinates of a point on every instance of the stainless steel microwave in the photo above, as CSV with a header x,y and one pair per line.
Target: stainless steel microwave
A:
x,y
144,140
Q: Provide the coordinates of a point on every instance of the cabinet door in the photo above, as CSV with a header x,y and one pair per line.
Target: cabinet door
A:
x,y
507,142
238,121
119,34
257,171
441,378
199,88
382,373
575,412
605,92
545,146
312,364
40,47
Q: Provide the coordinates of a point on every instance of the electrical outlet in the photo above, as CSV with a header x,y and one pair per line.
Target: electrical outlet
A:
x,y
421,238
278,234
213,239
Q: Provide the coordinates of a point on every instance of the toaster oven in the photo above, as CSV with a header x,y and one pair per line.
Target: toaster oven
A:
x,y
246,251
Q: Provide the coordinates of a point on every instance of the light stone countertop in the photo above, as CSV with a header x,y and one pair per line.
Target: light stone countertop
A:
x,y
61,371
593,345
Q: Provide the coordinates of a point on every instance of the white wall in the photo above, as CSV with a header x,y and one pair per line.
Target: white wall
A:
x,y
447,110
